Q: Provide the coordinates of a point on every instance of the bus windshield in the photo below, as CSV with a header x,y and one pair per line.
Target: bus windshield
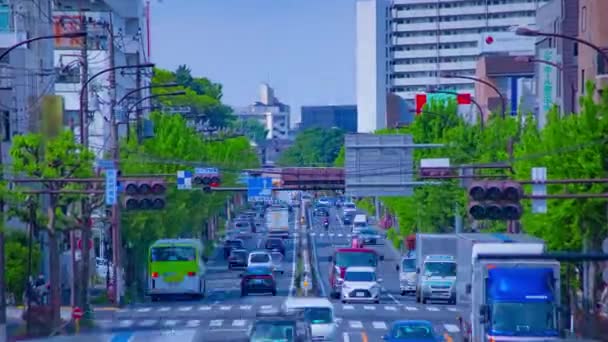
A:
x,y
348,259
173,253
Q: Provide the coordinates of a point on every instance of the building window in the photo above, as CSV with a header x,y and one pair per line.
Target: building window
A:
x,y
584,19
6,126
582,81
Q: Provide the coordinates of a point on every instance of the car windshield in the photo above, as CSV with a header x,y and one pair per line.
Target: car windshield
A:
x,y
318,315
239,254
440,269
273,243
259,258
367,232
348,259
349,206
273,332
234,243
173,254
526,318
408,265
359,276
412,331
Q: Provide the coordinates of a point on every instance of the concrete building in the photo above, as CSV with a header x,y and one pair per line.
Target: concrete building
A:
x,y
404,45
593,27
269,111
555,86
26,74
514,80
342,117
127,20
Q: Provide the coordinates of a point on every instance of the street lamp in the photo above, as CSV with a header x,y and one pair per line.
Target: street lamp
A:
x,y
164,85
529,59
528,32
438,91
476,79
31,40
83,137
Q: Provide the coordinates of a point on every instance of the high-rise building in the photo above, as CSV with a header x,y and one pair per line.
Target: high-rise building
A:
x,y
404,45
269,111
342,117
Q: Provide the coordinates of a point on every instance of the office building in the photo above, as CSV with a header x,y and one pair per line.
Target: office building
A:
x,y
404,45
269,111
342,117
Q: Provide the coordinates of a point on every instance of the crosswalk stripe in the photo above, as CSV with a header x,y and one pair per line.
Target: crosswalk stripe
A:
x,y
205,308
432,308
170,323
348,307
245,307
453,309
185,308
266,307
164,309
144,309
238,323
390,308
125,323
193,323
104,323
355,324
411,308
340,235
148,322
216,323
379,325
451,328
369,307
225,307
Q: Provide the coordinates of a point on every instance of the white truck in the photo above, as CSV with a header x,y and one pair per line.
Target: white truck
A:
x,y
277,222
436,267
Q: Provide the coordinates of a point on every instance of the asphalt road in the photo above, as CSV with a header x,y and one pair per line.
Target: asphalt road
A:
x,y
222,315
369,322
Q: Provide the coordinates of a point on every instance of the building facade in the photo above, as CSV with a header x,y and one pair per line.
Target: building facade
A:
x,y
342,117
269,111
403,46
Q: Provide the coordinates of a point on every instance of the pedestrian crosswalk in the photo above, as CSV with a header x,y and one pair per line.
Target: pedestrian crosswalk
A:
x,y
330,235
252,308
240,324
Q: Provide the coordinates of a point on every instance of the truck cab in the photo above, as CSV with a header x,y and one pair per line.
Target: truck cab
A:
x,y
349,257
437,279
407,275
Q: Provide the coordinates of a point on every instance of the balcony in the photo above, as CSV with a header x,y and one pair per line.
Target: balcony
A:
x,y
453,66
433,53
470,10
433,39
423,82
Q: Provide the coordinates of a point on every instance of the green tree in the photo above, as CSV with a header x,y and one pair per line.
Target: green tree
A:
x,y
59,157
314,147
16,251
253,129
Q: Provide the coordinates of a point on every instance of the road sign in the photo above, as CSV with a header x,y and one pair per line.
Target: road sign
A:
x,y
259,189
206,171
77,313
111,186
105,164
184,180
539,188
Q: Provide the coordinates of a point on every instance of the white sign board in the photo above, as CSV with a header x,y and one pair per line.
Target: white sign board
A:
x,y
539,188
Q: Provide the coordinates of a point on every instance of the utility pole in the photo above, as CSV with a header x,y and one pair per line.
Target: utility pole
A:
x,y
138,131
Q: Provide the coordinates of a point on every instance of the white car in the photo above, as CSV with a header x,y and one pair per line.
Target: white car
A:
x,y
360,285
277,262
260,259
319,312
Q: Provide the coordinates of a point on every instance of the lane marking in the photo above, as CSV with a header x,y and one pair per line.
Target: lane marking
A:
x,y
144,309
348,307
125,323
238,323
205,308
411,308
193,323
453,309
451,328
345,337
164,309
379,325
390,308
266,307
432,308
369,307
185,308
225,307
216,323
170,322
245,307
148,322
355,324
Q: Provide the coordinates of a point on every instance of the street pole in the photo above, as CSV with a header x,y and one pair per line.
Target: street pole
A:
x,y
138,113
503,100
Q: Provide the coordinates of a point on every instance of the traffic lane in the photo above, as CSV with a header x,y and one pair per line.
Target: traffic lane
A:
x,y
361,331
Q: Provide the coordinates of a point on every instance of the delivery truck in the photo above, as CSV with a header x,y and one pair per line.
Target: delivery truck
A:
x,y
436,267
277,222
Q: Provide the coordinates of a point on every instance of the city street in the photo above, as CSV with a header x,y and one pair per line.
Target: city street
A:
x,y
371,321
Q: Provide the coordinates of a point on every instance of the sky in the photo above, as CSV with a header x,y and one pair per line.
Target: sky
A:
x,y
304,49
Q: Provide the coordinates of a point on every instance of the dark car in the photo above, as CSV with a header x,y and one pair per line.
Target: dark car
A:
x,y
231,244
280,326
412,330
237,258
321,211
275,244
369,236
347,220
258,279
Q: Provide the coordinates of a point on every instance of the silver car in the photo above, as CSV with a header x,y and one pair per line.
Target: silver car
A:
x,y
277,262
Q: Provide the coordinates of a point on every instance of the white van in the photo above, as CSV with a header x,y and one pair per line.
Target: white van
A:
x,y
319,312
359,223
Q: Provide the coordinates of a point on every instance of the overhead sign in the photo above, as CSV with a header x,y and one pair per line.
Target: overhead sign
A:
x,y
259,189
206,171
184,180
547,83
379,165
111,186
539,188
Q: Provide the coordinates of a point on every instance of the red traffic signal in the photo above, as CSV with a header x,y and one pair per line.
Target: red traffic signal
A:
x,y
212,181
144,194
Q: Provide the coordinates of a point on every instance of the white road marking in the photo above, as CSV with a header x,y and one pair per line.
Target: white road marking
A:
x,y
125,323
321,235
193,323
238,323
292,283
148,322
392,297
348,307
225,307
185,308
216,323
432,308
331,234
266,307
340,235
390,308
451,328
122,310
369,307
170,322
379,325
355,324
144,309
453,309
345,337
104,323
205,308
245,307
411,308
164,309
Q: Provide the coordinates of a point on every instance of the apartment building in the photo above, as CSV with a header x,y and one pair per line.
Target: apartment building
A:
x,y
269,111
403,46
343,117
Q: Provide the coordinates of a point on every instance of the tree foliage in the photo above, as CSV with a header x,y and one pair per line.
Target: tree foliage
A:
x,y
314,147
252,129
16,264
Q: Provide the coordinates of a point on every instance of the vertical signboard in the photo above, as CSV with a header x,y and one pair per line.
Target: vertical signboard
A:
x,y
111,188
547,83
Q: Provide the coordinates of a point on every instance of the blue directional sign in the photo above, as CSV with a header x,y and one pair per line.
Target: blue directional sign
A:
x,y
184,180
243,178
111,186
259,189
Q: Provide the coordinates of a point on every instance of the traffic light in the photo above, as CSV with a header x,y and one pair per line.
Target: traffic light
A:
x,y
144,194
208,180
495,200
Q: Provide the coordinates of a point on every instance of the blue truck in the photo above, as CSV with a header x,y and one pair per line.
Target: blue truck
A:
x,y
512,299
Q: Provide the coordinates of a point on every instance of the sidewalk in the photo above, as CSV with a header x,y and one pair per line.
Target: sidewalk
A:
x,y
16,312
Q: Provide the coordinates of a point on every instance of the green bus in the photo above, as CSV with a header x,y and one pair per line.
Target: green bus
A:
x,y
176,267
